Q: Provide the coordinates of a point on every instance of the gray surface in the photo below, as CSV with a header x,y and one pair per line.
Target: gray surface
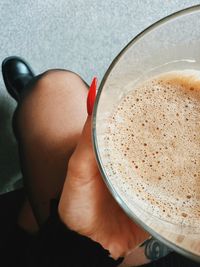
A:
x,y
83,36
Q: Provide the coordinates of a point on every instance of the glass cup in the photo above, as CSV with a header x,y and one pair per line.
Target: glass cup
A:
x,y
172,43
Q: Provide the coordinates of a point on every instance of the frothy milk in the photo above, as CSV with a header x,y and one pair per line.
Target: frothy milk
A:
x,y
153,146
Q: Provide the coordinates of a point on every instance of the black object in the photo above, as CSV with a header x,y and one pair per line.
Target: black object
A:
x,y
16,74
56,245
53,241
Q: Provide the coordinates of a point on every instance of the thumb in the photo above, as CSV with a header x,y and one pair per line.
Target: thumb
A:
x,y
86,140
83,162
84,147
83,158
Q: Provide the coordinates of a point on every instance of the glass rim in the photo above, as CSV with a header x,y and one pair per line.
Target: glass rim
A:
x,y
112,190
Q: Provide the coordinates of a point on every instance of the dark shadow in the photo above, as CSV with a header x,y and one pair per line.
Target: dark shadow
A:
x,y
9,159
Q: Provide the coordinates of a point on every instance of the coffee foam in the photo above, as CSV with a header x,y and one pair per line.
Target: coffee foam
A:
x,y
153,147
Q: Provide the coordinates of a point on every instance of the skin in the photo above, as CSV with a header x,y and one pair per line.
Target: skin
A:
x,y
87,207
58,161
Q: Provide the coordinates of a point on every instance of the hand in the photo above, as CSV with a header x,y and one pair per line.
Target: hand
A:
x,y
87,207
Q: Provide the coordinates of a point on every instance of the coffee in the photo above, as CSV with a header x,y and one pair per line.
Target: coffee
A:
x,y
153,146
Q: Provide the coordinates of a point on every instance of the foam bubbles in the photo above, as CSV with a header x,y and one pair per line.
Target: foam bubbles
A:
x,y
154,146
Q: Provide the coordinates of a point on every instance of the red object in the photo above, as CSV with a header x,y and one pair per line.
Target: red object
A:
x,y
91,96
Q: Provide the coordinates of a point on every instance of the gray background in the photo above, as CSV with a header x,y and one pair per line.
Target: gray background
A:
x,y
83,36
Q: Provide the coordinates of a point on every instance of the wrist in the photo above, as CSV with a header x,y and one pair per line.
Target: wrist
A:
x,y
114,248
63,216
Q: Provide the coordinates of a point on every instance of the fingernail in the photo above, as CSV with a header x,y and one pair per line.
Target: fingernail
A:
x,y
91,96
